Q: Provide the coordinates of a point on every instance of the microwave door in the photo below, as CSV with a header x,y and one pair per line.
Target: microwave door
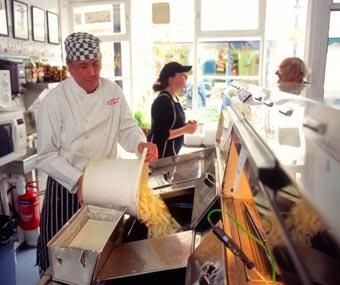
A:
x,y
6,139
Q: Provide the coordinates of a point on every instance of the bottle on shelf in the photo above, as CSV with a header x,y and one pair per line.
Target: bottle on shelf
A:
x,y
41,71
31,72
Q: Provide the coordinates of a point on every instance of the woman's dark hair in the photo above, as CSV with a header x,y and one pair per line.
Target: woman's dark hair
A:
x,y
159,85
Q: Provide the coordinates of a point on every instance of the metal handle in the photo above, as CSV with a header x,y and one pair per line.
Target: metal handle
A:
x,y
59,260
209,179
82,258
244,95
286,111
258,98
315,126
247,98
268,103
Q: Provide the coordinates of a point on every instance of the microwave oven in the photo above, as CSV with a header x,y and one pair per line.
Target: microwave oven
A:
x,y
17,74
5,89
12,136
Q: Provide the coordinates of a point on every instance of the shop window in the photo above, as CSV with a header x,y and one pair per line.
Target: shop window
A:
x,y
229,58
180,52
285,34
218,64
100,19
166,52
108,22
155,43
115,63
332,83
222,62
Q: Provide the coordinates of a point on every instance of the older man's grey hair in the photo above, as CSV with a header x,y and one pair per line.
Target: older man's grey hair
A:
x,y
299,65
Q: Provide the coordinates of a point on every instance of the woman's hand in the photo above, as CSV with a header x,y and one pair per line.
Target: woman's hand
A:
x,y
152,151
191,127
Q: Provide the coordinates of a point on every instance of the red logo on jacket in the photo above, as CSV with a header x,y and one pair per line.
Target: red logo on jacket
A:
x,y
112,101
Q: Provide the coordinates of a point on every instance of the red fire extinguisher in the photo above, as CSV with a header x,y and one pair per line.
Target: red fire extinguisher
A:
x,y
29,210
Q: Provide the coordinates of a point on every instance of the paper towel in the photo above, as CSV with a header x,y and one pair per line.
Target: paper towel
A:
x,y
209,135
113,183
193,139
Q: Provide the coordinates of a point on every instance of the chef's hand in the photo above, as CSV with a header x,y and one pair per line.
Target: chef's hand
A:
x,y
152,151
80,190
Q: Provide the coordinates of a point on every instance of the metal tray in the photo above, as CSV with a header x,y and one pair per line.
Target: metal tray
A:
x,y
77,260
148,256
175,170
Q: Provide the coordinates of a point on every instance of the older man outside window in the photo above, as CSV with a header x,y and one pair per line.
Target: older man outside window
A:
x,y
291,75
292,69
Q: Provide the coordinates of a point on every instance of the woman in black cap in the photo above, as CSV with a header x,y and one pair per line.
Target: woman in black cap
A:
x,y
167,116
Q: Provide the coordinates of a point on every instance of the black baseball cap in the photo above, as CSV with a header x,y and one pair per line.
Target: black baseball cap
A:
x,y
171,68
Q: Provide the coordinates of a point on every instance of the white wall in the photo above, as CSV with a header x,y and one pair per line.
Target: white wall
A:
x,y
10,47
50,5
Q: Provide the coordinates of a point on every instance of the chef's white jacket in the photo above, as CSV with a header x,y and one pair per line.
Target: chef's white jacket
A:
x,y
74,127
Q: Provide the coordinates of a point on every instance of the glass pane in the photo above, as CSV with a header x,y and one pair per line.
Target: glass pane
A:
x,y
155,44
219,15
116,64
100,19
221,62
116,18
285,34
115,59
144,98
229,58
166,52
117,51
332,83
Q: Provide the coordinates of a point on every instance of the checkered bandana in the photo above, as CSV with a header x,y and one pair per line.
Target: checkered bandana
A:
x,y
82,46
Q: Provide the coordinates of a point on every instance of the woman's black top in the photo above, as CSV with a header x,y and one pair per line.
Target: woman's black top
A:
x,y
166,115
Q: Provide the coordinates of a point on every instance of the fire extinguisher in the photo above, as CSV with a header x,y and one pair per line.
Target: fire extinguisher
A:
x,y
29,210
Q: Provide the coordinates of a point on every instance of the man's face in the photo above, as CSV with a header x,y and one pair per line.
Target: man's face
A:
x,y
286,72
86,73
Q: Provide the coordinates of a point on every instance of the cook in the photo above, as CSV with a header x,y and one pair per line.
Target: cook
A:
x,y
83,118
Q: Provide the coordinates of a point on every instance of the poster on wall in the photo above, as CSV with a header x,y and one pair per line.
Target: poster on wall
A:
x,y
53,28
20,20
3,18
38,24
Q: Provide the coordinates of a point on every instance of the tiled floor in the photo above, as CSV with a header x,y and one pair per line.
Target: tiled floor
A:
x,y
26,272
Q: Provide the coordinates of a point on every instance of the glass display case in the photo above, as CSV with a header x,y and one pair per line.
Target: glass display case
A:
x,y
279,158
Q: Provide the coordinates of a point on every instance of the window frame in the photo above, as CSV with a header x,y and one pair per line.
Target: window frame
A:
x,y
317,44
123,37
231,33
104,38
225,35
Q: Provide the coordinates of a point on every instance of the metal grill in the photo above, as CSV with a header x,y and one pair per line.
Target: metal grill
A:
x,y
253,251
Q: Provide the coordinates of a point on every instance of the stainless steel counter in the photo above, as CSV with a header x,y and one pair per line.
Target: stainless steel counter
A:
x,y
22,165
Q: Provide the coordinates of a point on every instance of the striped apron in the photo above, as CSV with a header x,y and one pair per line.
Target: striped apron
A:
x,y
58,207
